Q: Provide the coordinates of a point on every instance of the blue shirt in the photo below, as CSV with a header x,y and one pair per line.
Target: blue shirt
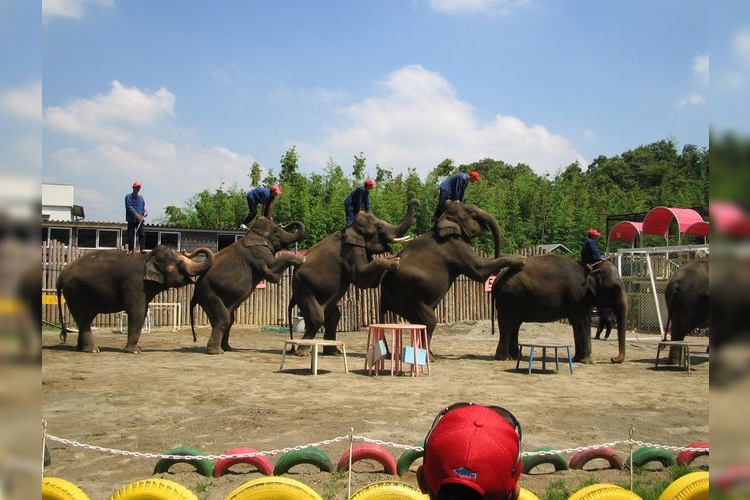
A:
x,y
589,252
455,186
135,205
359,199
261,195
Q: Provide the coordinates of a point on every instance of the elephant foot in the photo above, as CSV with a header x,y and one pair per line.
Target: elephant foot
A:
x,y
132,349
302,351
616,360
226,347
331,351
88,349
214,349
585,360
501,357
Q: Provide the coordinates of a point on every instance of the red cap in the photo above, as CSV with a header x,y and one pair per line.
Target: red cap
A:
x,y
594,233
475,175
276,189
474,446
136,184
370,182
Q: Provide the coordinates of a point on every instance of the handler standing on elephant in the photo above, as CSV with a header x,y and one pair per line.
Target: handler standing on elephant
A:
x,y
589,251
135,213
260,195
358,200
453,188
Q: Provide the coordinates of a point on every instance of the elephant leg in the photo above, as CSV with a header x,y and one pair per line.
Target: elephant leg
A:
x,y
507,344
331,322
85,336
314,319
135,325
582,337
225,336
679,330
219,317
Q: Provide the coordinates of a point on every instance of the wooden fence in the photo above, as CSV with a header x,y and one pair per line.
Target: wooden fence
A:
x,y
466,300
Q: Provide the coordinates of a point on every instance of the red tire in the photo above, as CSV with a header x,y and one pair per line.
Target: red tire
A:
x,y
371,452
685,457
583,457
260,462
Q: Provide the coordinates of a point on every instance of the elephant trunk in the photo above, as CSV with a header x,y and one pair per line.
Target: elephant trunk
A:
x,y
195,268
490,223
400,230
621,313
296,231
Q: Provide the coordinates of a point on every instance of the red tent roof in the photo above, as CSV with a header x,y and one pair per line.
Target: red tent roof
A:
x,y
657,220
698,228
625,231
724,215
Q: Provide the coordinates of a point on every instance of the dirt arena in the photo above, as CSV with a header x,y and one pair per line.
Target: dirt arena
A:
x,y
175,395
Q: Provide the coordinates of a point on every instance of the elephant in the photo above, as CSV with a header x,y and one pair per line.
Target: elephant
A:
x,y
429,264
334,263
686,296
108,281
551,287
236,272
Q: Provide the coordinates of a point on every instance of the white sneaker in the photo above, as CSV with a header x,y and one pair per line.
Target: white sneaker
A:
x,y
243,227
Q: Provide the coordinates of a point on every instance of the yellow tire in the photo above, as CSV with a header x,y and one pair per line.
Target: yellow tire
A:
x,y
276,487
604,491
386,490
693,486
54,488
154,489
525,494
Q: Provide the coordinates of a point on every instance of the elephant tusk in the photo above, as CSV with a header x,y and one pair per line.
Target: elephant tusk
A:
x,y
402,239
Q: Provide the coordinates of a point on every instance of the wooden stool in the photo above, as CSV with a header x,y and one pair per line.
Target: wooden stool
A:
x,y
314,344
544,347
684,348
385,341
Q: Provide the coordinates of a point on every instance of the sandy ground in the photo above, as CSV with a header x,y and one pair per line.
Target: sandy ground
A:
x,y
175,395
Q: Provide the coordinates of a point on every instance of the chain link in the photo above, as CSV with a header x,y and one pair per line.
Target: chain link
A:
x,y
328,442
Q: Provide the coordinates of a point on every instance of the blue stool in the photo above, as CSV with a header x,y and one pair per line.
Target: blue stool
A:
x,y
544,347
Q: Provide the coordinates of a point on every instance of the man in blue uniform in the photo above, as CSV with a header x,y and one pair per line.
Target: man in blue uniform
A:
x,y
135,213
453,188
358,200
589,251
260,195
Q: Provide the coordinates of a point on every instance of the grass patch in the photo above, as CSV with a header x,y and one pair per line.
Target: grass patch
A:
x,y
337,481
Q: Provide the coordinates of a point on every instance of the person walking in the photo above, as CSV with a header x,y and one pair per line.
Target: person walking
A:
x,y
453,188
262,196
358,200
135,213
605,322
589,251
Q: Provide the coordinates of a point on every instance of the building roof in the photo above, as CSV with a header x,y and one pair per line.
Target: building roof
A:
x,y
554,247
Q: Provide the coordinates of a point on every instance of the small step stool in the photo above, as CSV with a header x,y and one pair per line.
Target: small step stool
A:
x,y
314,344
544,347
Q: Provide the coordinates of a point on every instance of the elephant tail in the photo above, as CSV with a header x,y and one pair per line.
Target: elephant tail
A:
x,y
289,308
63,329
193,301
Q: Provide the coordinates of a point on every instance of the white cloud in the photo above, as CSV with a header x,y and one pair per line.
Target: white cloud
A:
x,y
418,121
589,134
70,9
695,99
502,7
24,102
701,68
741,47
114,117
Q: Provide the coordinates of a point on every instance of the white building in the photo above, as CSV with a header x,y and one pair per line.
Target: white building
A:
x,y
58,203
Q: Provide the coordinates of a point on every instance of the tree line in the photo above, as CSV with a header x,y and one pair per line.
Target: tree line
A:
x,y
531,209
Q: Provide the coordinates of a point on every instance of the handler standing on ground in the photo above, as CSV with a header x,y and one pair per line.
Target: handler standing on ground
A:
x,y
453,188
260,195
135,213
358,200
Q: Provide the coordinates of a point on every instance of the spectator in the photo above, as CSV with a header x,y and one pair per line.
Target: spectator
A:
x,y
358,200
453,188
605,322
135,213
589,251
472,452
260,195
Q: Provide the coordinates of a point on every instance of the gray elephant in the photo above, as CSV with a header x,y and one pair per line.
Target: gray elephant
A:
x,y
108,281
551,288
236,272
686,296
334,263
429,264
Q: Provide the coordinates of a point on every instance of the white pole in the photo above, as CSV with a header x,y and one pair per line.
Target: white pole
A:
x,y
656,296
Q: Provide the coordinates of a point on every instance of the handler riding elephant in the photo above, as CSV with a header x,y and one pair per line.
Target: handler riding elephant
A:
x,y
431,263
334,263
236,272
551,288
108,281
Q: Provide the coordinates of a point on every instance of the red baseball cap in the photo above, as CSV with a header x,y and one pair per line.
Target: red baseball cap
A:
x,y
594,232
370,182
136,184
475,175
475,446
276,189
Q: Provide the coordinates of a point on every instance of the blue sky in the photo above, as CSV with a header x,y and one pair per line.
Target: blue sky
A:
x,y
185,95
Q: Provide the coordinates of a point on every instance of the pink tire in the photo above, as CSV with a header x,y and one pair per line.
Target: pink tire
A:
x,y
372,452
583,457
259,461
685,457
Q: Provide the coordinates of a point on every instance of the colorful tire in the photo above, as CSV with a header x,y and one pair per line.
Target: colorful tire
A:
x,y
278,488
311,455
388,490
203,466
555,459
525,494
369,451
733,476
603,491
685,457
648,454
54,488
693,486
407,458
260,462
580,459
154,489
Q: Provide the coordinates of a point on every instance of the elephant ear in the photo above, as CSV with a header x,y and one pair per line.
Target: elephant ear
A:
x,y
256,239
446,226
593,280
152,272
353,237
